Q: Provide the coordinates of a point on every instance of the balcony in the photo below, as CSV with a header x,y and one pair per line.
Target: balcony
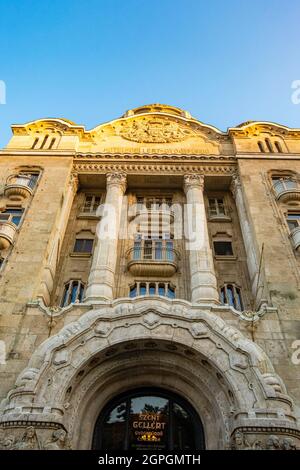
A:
x,y
295,238
7,234
152,258
19,186
286,189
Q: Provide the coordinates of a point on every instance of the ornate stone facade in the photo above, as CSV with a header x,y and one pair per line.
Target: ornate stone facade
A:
x,y
80,327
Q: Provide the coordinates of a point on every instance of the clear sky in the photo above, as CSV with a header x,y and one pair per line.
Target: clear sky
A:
x,y
90,60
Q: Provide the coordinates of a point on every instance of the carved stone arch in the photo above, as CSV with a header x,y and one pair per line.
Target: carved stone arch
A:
x,y
71,376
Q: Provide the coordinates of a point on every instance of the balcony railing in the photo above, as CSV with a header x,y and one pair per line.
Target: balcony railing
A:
x,y
295,238
155,259
286,189
7,234
19,186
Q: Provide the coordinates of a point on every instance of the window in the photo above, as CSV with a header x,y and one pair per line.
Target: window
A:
x,y
164,289
73,292
293,220
153,249
83,245
13,215
285,183
231,294
216,207
91,204
148,419
223,248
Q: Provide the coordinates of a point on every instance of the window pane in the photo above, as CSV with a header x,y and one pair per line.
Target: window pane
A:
x,y
171,293
16,219
114,428
161,289
132,292
74,290
148,249
230,296
83,245
222,295
152,289
223,248
182,429
292,224
158,250
239,305
169,251
148,423
143,289
64,301
81,292
290,184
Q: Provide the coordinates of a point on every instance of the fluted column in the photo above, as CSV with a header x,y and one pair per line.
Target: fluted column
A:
x,y
248,238
48,273
102,275
203,278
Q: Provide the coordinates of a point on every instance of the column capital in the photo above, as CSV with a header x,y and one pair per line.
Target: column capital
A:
x,y
193,181
235,184
117,178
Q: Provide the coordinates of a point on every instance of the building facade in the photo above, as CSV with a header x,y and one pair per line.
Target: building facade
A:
x,y
149,284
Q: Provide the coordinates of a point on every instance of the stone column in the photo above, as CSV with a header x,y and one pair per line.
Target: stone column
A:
x,y
248,237
203,278
54,247
102,275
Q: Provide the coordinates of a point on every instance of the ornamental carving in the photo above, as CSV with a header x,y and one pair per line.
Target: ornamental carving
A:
x,y
155,130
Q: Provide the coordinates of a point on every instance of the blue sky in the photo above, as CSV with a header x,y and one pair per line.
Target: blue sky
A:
x,y
91,60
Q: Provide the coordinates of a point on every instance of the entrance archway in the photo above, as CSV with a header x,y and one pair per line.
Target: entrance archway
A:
x,y
148,419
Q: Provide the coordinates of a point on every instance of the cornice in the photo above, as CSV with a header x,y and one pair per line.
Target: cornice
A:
x,y
136,168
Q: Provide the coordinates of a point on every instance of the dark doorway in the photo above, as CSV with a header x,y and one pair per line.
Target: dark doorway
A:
x,y
148,419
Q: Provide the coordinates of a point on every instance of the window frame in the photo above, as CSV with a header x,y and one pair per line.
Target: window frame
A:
x,y
83,252
66,298
237,296
223,256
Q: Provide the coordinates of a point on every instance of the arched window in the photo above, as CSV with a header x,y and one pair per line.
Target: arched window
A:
x,y
73,292
164,289
148,419
152,289
231,294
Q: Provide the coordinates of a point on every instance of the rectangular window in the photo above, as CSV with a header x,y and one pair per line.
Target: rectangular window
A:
x,y
223,248
293,220
91,204
216,207
83,245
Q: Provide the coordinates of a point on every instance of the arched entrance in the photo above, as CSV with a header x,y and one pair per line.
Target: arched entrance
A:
x,y
148,419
